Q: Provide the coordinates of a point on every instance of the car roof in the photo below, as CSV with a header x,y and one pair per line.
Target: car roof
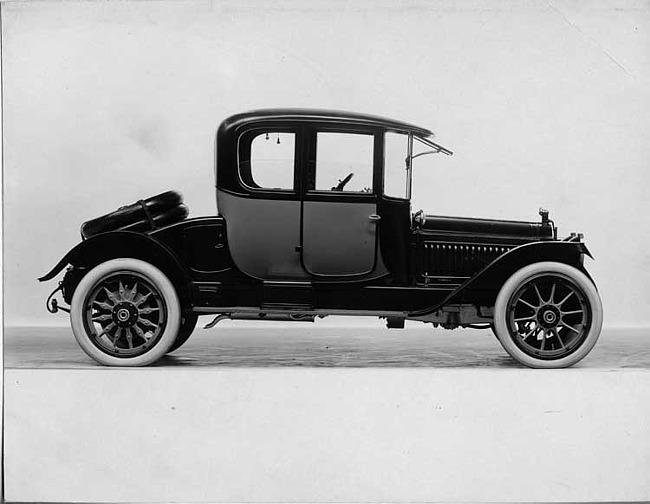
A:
x,y
325,116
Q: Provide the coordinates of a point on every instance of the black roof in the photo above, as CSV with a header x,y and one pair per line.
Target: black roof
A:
x,y
318,115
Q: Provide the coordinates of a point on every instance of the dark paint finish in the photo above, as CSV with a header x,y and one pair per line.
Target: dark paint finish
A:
x,y
419,267
483,287
488,228
395,237
106,246
234,133
201,244
320,116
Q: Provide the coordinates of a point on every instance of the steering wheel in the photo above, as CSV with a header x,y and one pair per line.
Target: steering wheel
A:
x,y
342,183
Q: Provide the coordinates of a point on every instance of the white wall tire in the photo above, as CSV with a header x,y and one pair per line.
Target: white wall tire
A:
x,y
125,312
187,325
548,315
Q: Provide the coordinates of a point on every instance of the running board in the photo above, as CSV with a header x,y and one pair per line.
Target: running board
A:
x,y
283,296
260,316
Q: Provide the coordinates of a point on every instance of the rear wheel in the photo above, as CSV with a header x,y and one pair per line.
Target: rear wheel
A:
x,y
548,315
188,323
125,312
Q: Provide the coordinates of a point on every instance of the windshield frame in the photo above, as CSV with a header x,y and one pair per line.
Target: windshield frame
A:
x,y
435,149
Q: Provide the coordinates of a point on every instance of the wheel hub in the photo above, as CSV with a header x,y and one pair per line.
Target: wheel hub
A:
x,y
125,314
548,316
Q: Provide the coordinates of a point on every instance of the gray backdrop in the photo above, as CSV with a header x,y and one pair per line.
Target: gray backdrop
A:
x,y
544,103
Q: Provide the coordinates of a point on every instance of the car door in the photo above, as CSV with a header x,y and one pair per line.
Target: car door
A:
x,y
263,215
339,203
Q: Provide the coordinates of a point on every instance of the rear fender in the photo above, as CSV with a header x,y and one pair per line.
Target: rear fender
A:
x,y
102,247
483,288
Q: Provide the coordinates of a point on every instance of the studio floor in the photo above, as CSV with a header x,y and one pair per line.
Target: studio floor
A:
x,y
244,344
325,413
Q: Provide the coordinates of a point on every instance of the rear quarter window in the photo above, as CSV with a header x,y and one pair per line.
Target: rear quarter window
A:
x,y
267,160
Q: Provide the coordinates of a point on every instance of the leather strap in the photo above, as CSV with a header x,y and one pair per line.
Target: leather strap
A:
x,y
147,213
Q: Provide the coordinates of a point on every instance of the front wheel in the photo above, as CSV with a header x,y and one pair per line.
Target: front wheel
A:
x,y
125,312
548,315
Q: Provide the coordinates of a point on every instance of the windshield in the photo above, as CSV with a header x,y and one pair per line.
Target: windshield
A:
x,y
400,149
431,148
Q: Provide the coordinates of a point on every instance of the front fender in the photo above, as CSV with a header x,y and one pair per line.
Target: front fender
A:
x,y
110,245
482,289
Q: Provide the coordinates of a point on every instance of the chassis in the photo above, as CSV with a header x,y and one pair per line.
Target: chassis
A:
x,y
292,243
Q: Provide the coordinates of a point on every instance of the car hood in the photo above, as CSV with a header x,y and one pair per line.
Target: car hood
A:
x,y
488,227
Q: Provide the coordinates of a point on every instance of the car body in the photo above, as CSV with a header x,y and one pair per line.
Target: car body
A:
x,y
315,220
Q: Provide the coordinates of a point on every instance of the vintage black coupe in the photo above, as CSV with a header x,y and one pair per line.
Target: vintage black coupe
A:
x,y
314,220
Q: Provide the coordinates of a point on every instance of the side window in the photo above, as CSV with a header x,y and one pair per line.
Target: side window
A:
x,y
344,162
395,176
271,162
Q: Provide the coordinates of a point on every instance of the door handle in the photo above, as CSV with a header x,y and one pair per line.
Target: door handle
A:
x,y
374,218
